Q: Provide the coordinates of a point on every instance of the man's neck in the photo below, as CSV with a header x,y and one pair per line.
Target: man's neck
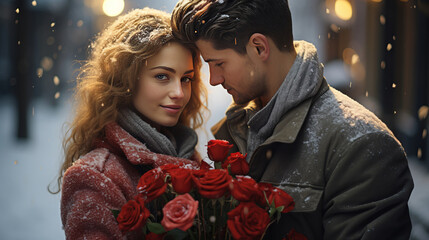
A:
x,y
278,67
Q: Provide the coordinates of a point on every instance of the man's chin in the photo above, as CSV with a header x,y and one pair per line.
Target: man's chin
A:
x,y
240,101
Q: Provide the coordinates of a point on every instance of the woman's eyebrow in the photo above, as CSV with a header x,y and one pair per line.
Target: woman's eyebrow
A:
x,y
171,69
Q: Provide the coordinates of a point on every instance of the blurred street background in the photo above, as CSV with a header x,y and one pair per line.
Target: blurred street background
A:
x,y
376,51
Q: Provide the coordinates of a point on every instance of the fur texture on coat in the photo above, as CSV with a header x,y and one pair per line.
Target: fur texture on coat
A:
x,y
104,179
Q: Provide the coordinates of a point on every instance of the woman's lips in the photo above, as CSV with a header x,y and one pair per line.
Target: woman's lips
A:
x,y
172,108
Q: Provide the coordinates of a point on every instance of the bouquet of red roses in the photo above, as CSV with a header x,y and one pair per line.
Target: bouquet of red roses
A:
x,y
177,202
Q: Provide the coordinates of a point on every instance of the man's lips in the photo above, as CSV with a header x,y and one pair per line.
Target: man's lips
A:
x,y
227,89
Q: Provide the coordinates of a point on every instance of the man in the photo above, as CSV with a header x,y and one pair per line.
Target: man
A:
x,y
344,168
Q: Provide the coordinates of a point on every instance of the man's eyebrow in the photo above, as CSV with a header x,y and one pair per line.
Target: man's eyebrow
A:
x,y
210,60
171,69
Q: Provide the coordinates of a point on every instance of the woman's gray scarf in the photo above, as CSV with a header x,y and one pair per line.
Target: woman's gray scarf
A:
x,y
181,140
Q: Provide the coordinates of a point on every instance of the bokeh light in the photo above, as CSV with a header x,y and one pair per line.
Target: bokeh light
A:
x,y
113,8
343,9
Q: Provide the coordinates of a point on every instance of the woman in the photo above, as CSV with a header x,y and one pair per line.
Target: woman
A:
x,y
138,96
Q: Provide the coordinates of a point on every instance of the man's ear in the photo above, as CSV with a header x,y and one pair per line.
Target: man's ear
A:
x,y
258,43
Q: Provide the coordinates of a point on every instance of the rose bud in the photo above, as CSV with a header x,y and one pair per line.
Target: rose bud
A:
x,y
281,198
133,215
247,221
217,150
239,165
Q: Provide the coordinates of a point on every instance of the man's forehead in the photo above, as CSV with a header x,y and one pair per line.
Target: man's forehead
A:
x,y
209,53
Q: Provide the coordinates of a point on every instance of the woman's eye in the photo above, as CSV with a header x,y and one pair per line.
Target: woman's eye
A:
x,y
187,79
161,77
219,64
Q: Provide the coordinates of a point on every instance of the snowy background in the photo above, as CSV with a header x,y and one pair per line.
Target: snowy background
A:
x,y
29,211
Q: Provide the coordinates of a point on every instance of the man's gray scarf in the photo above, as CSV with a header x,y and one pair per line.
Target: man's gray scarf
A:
x,y
302,82
181,140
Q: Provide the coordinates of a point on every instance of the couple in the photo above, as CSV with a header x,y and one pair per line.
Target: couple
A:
x,y
140,97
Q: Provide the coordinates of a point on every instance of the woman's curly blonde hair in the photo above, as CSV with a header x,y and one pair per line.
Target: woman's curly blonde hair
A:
x,y
106,81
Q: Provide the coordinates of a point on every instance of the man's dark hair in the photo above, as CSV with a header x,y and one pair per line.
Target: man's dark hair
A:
x,y
230,23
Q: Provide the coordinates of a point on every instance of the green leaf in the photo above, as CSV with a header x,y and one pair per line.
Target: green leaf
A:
x,y
155,228
115,212
279,215
266,198
229,170
213,202
175,234
218,165
221,201
272,211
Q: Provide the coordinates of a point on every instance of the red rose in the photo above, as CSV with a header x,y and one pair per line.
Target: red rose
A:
x,y
169,166
217,150
181,180
133,215
152,184
213,183
204,165
294,235
247,221
281,198
244,189
239,165
179,213
198,173
266,188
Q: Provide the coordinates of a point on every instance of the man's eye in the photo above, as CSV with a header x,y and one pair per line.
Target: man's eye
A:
x,y
161,77
219,64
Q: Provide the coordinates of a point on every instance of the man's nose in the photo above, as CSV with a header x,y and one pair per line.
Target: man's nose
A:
x,y
215,78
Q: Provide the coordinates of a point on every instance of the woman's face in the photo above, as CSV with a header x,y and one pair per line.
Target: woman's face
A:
x,y
164,85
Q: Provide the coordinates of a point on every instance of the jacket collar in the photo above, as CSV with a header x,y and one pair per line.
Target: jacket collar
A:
x,y
120,142
286,131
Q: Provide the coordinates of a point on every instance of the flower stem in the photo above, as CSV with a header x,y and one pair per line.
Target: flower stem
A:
x,y
191,234
214,222
204,222
199,225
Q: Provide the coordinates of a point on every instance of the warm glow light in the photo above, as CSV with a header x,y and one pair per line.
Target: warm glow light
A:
x,y
343,9
377,0
113,8
348,55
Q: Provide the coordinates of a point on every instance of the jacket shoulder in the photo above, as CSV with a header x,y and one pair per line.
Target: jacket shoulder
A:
x,y
89,192
336,112
95,159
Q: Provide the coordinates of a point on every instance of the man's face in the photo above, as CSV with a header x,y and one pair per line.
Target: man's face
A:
x,y
235,72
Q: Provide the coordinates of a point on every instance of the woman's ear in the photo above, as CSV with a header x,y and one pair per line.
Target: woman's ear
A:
x,y
258,44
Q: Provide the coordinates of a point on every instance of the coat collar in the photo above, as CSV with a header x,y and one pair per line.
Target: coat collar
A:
x,y
286,131
120,142
290,124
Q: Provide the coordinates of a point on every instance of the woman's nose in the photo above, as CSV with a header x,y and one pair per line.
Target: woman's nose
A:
x,y
177,90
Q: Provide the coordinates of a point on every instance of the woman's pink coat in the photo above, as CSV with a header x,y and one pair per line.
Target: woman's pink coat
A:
x,y
105,179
